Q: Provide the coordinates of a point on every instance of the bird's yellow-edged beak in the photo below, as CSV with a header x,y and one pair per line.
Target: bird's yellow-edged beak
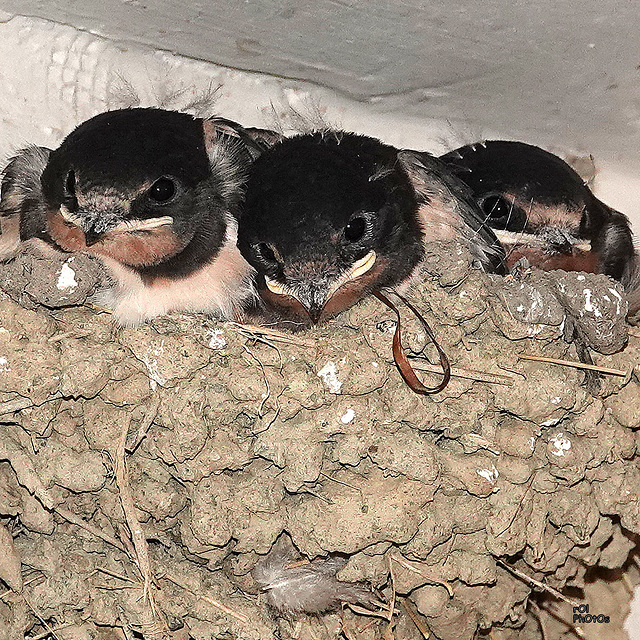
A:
x,y
313,296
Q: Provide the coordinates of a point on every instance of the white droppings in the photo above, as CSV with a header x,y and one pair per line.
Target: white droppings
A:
x,y
532,443
556,400
4,365
561,444
536,300
348,417
67,277
155,378
329,375
618,298
580,277
488,474
375,365
216,339
520,308
535,329
589,306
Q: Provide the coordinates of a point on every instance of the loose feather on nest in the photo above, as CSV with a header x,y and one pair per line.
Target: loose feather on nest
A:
x,y
292,587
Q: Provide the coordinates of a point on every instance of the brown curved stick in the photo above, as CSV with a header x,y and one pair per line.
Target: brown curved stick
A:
x,y
400,358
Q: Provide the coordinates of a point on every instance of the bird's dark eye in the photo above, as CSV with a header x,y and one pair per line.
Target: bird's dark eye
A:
x,y
162,190
70,184
355,229
496,207
266,252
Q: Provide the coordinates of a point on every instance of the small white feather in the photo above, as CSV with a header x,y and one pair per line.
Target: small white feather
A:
x,y
292,587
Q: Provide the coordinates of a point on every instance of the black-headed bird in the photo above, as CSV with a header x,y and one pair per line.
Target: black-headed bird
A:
x,y
154,194
331,217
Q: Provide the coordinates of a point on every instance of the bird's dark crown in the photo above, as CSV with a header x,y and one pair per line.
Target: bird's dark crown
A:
x,y
507,166
321,201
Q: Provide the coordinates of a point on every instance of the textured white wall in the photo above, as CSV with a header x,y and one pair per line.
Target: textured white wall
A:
x,y
562,75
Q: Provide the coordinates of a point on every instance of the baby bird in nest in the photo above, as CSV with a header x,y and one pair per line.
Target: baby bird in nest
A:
x,y
542,210
155,195
331,217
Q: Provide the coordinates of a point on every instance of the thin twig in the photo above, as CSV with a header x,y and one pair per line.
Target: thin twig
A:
x,y
317,495
368,612
18,404
342,482
469,374
4,594
137,534
113,574
403,563
145,423
574,629
538,612
218,605
415,619
520,503
40,636
256,331
388,634
573,363
537,583
77,520
50,631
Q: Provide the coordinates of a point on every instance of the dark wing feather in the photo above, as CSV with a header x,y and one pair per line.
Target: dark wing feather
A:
x,y
22,193
433,179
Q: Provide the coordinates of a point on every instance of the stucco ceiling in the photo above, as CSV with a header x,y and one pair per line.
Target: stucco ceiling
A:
x,y
560,74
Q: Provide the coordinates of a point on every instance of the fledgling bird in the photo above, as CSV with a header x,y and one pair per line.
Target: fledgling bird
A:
x,y
332,216
155,195
541,209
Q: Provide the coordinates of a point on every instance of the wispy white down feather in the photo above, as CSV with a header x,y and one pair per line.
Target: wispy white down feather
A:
x,y
292,587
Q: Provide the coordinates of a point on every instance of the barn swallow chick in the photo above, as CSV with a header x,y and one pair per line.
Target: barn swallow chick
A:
x,y
541,209
155,195
330,217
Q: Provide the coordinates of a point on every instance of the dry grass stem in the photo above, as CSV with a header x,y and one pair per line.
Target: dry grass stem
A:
x,y
468,374
576,365
257,333
215,603
403,563
145,423
388,633
77,520
415,618
537,583
44,634
126,498
18,404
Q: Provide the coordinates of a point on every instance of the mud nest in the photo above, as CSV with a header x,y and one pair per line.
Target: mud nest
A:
x,y
145,472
